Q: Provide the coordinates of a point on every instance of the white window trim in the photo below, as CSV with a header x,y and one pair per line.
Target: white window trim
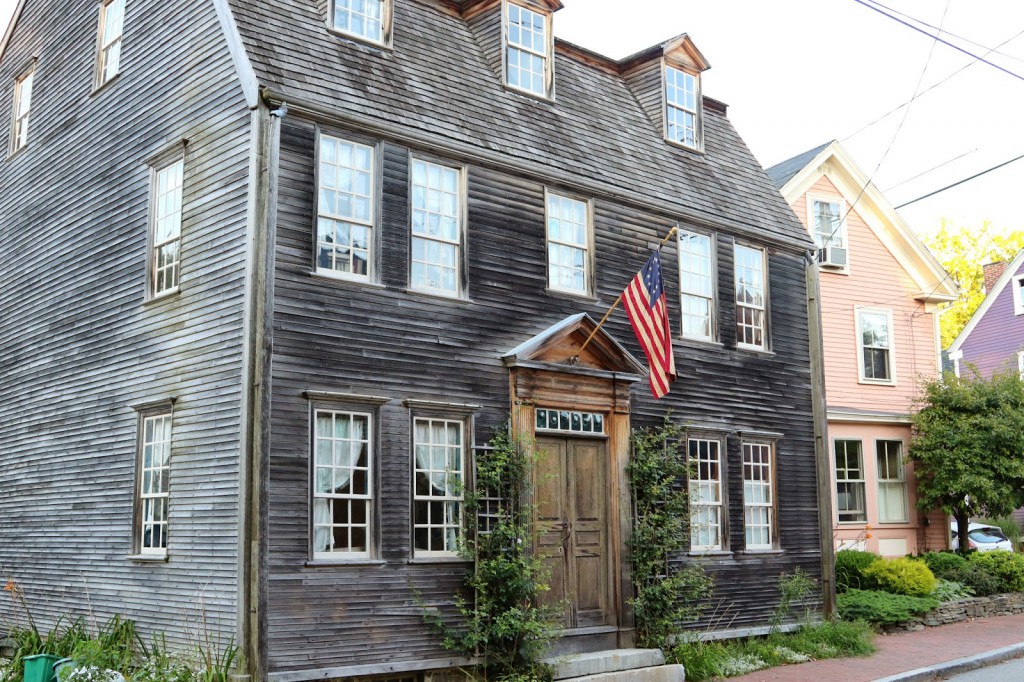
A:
x,y
843,232
373,224
713,300
460,499
101,48
460,291
956,357
770,505
862,481
16,143
341,557
764,308
698,114
891,381
588,257
549,58
1020,364
903,481
387,17
138,527
152,270
1017,285
718,506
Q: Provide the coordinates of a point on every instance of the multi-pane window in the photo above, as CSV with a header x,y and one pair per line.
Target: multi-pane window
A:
x,y
166,249
1017,284
438,486
361,18
682,99
568,244
108,58
573,422
153,478
750,297
22,108
892,482
850,503
827,225
874,328
697,285
526,56
345,214
705,462
436,227
758,500
342,485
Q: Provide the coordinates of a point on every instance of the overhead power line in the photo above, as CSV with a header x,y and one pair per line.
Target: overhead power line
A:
x,y
960,182
933,168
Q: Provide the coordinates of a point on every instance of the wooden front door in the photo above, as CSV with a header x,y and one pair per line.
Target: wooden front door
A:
x,y
572,524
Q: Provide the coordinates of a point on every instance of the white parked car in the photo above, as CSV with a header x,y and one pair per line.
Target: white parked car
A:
x,y
982,537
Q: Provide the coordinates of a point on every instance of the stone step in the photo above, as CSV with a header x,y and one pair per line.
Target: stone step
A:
x,y
600,663
661,673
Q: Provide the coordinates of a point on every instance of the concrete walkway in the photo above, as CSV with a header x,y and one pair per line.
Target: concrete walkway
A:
x,y
907,651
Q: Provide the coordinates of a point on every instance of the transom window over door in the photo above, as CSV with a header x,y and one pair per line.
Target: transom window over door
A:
x,y
22,108
345,214
342,485
366,19
438,486
874,339
568,244
436,228
166,251
682,113
849,460
705,461
892,482
697,285
527,56
758,496
108,58
751,297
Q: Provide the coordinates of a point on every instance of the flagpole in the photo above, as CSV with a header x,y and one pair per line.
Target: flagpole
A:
x,y
619,299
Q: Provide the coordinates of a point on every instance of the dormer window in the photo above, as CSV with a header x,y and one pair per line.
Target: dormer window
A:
x,y
528,48
368,20
682,107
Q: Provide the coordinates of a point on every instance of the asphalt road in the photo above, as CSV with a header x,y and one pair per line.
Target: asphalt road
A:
x,y
1011,671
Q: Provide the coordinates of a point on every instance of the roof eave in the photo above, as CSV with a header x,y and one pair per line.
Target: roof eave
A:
x,y
10,28
990,298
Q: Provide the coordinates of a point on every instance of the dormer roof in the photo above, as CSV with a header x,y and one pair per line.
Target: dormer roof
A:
x,y
469,6
679,51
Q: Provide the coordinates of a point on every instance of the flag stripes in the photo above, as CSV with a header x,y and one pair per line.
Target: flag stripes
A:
x,y
647,309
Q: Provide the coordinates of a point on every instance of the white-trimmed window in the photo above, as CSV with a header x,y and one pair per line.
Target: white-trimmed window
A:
x,y
705,461
568,421
22,109
826,222
850,499
682,107
568,240
365,19
758,496
154,470
527,50
1017,284
108,44
874,346
165,258
751,297
439,467
342,485
1020,364
697,285
436,228
345,209
892,482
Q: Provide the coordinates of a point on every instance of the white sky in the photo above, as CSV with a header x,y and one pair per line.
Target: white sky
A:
x,y
798,73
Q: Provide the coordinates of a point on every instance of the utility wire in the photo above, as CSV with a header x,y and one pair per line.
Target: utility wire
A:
x,y
960,182
933,168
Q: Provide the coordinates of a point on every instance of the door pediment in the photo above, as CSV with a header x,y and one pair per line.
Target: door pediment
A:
x,y
558,348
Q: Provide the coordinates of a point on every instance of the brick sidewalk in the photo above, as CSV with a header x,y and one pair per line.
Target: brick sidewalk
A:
x,y
905,651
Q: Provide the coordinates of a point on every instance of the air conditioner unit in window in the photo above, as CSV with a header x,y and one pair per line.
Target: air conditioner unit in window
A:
x,y
832,257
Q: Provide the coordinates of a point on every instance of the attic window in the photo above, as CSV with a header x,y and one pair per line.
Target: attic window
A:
x,y
364,19
682,107
528,48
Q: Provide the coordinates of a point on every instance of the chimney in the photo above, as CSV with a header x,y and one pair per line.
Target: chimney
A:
x,y
993,271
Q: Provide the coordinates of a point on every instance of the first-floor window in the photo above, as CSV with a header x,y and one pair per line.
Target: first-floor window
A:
x,y
849,460
438,486
758,498
705,493
892,482
153,478
342,485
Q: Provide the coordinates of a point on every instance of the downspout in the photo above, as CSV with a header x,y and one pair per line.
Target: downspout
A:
x,y
821,453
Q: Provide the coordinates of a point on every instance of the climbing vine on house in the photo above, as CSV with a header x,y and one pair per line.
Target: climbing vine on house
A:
x,y
667,592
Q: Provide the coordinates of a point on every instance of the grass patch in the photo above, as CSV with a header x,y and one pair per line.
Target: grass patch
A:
x,y
834,639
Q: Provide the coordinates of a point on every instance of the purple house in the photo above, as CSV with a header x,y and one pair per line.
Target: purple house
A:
x,y
993,339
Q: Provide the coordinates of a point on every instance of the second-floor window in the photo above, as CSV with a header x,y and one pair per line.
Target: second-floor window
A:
x,y
892,482
874,341
682,107
850,497
345,213
527,50
751,298
568,244
22,108
436,262
165,260
366,19
697,285
108,58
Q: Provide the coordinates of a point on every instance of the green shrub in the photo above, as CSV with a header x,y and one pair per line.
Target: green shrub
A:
x,y
943,562
882,608
850,565
901,576
948,590
1007,567
976,578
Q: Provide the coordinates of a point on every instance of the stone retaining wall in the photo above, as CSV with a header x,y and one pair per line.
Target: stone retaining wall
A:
x,y
964,609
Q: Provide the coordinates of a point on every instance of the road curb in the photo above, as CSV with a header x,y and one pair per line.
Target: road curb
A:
x,y
959,665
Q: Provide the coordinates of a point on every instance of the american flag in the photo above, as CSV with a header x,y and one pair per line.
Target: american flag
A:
x,y
645,304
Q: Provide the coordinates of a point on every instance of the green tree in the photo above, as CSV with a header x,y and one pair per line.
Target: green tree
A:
x,y
968,447
963,251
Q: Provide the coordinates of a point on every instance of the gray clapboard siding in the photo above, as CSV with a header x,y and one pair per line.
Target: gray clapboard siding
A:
x,y
78,344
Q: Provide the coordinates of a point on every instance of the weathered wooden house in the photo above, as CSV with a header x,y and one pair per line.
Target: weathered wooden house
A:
x,y
270,271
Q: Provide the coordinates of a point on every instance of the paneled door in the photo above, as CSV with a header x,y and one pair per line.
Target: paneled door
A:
x,y
572,522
